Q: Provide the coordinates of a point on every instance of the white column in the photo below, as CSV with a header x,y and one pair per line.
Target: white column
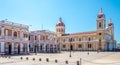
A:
x,y
2,47
44,47
84,46
53,48
2,30
49,47
12,46
12,41
60,42
12,33
21,44
2,43
6,32
56,47
38,42
21,47
75,47
45,43
28,47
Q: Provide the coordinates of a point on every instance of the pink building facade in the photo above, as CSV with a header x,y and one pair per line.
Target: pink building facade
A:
x,y
13,38
43,41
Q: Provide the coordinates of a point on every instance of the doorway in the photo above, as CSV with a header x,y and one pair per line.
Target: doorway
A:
x,y
71,47
9,52
18,49
46,48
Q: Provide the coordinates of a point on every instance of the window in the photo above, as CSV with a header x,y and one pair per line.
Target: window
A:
x,y
61,30
79,46
99,33
64,40
70,40
15,34
35,37
79,39
73,39
89,46
64,46
89,39
29,37
43,37
100,25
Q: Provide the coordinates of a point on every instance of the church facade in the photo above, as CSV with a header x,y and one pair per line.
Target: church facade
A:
x,y
16,39
100,39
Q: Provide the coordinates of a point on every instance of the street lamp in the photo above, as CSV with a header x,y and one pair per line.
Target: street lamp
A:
x,y
70,40
59,43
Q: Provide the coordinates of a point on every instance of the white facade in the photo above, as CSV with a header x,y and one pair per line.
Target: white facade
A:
x,y
43,41
13,38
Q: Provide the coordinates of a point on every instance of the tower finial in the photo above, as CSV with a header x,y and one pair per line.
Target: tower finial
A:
x,y
110,19
60,19
100,10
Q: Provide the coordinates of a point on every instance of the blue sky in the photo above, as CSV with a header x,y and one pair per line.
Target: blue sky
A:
x,y
78,15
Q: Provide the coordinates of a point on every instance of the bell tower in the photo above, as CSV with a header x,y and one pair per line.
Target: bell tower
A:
x,y
111,28
101,21
101,25
60,27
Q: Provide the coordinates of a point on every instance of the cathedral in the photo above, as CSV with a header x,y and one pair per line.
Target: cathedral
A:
x,y
100,39
17,39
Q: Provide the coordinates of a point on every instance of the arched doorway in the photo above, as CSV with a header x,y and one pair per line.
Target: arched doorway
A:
x,y
15,34
46,48
9,49
35,49
18,49
107,46
41,47
100,45
71,47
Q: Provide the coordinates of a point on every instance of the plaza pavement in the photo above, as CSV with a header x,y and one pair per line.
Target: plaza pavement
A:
x,y
94,58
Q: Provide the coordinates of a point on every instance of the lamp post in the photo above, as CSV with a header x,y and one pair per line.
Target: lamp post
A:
x,y
60,44
70,46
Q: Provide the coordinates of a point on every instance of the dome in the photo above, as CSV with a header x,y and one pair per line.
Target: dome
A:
x,y
100,15
60,23
110,23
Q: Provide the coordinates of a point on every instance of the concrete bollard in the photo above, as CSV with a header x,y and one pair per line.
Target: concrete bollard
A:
x,y
5,56
77,62
66,62
80,61
56,61
33,59
88,53
27,58
40,59
21,58
9,57
47,59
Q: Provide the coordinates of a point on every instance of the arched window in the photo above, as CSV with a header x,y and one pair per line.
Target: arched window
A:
x,y
89,45
35,37
15,34
64,46
79,39
61,30
89,38
80,46
100,25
